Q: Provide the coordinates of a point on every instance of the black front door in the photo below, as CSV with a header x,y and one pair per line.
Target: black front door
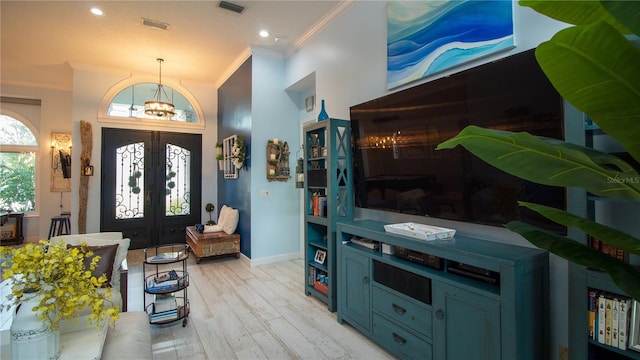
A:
x,y
151,185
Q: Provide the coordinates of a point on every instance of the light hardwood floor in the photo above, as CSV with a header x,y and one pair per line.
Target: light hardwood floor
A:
x,y
242,312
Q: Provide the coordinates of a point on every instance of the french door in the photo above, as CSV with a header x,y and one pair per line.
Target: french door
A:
x,y
151,185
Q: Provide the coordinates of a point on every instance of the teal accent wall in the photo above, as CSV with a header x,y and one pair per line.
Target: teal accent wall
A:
x,y
234,118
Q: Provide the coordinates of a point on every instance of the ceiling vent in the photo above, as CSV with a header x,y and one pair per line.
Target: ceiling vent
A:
x,y
155,24
229,6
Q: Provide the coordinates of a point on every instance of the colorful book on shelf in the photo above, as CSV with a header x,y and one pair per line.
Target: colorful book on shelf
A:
x,y
623,325
164,316
611,323
592,309
607,319
601,317
610,250
168,285
615,321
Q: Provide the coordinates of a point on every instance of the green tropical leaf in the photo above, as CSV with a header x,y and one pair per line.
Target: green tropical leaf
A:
x,y
596,69
601,232
577,12
624,275
550,162
626,12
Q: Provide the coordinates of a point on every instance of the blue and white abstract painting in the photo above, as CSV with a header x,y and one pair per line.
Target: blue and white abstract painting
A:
x,y
427,37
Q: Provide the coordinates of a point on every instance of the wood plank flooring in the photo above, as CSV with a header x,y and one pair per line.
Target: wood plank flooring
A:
x,y
242,312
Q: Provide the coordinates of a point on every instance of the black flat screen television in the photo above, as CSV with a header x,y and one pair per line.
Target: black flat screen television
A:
x,y
396,166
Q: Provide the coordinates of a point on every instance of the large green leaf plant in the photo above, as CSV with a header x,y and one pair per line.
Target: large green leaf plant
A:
x,y
595,66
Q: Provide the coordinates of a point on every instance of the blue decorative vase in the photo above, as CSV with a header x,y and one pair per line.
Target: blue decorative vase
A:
x,y
323,113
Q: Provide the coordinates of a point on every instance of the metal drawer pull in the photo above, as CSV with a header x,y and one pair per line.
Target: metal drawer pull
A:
x,y
398,309
399,339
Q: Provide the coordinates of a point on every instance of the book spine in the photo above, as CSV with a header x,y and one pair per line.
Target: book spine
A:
x,y
163,316
322,206
316,200
615,321
601,317
623,325
593,309
607,319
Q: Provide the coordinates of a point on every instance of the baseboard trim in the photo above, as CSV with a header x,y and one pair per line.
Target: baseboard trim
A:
x,y
270,259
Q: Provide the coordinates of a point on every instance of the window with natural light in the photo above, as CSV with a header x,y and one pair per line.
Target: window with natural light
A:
x,y
18,152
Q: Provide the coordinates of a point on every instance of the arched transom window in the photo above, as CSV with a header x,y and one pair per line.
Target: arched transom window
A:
x,y
129,103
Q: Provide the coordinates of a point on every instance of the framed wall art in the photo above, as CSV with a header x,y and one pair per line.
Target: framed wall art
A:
x,y
428,37
60,162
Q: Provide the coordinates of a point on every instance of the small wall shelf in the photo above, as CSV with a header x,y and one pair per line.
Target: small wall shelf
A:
x,y
278,161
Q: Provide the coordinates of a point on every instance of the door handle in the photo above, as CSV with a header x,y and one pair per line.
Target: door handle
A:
x,y
148,197
440,314
398,309
399,339
365,280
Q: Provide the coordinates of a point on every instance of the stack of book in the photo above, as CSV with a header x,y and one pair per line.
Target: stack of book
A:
x,y
168,281
165,308
316,274
608,249
609,316
319,205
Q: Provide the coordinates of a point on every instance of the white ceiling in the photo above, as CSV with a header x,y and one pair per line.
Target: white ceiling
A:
x,y
41,40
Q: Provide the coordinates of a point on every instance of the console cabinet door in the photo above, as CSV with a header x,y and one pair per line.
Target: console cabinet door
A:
x,y
355,288
466,325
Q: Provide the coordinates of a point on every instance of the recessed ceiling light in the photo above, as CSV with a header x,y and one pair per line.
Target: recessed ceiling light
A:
x,y
96,11
264,33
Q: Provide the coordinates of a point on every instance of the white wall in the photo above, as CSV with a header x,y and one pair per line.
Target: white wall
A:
x,y
54,116
349,60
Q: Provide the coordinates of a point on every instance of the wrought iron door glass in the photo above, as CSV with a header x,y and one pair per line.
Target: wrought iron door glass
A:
x,y
178,193
130,189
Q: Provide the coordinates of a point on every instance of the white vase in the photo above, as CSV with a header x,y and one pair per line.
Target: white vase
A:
x,y
30,337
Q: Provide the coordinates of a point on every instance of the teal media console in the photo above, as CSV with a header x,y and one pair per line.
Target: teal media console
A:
x,y
463,298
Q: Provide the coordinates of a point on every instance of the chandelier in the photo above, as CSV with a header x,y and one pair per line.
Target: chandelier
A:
x,y
158,108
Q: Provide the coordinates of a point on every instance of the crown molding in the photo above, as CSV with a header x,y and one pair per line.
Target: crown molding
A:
x,y
316,28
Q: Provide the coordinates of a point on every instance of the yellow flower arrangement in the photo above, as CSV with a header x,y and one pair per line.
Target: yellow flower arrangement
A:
x,y
59,274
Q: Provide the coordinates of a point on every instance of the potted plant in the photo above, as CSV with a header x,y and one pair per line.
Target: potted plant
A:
x,y
238,152
51,282
594,66
218,148
220,158
209,208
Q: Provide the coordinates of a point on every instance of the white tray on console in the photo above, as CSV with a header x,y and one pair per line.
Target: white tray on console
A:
x,y
421,231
